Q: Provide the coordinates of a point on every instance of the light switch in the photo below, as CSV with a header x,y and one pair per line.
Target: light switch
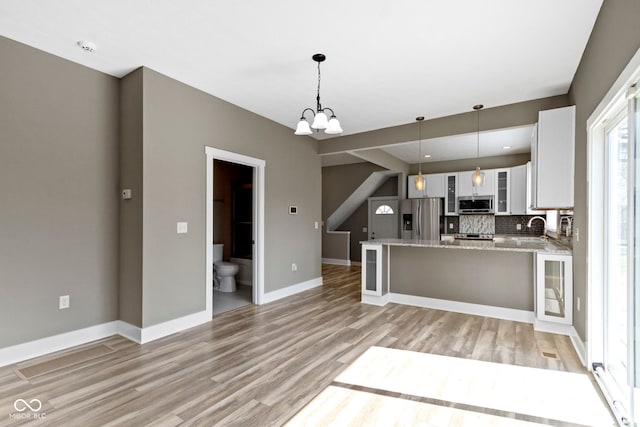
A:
x,y
182,228
126,194
315,224
518,226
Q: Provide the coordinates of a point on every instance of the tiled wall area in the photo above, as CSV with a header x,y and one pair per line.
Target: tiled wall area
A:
x,y
503,225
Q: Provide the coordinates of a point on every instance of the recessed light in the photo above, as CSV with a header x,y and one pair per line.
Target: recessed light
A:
x,y
426,156
506,147
87,46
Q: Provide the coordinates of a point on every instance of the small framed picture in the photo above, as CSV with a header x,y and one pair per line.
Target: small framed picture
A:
x,y
293,210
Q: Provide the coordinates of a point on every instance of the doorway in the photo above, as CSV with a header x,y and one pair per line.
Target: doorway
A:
x,y
232,235
256,222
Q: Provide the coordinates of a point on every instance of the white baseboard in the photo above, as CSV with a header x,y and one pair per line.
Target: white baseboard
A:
x,y
151,333
20,352
374,300
291,290
464,307
579,346
553,328
336,261
29,350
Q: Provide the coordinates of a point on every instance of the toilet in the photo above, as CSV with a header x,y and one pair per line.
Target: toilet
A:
x,y
223,272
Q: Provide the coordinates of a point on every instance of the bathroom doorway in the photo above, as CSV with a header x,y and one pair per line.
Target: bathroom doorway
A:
x,y
235,230
232,235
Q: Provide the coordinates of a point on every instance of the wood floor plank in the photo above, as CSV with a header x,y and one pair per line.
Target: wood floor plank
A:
x,y
260,365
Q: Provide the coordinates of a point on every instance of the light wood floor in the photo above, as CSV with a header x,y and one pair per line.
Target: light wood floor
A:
x,y
260,365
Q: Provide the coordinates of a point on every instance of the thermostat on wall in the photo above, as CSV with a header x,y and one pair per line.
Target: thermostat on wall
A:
x,y
293,210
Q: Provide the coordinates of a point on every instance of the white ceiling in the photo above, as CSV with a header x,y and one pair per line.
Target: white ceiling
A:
x,y
387,62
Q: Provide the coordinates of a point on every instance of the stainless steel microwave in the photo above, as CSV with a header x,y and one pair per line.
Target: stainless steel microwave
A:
x,y
475,205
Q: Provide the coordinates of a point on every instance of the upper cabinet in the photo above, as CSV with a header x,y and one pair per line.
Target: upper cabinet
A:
x,y
503,191
451,192
552,159
433,186
518,190
466,187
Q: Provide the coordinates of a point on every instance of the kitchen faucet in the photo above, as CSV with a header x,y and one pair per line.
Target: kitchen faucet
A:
x,y
544,221
569,224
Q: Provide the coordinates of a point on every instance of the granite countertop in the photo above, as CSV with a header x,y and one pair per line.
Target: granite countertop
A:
x,y
502,243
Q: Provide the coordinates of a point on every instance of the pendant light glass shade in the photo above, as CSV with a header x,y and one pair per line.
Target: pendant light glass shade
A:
x,y
477,178
333,127
320,121
419,182
303,128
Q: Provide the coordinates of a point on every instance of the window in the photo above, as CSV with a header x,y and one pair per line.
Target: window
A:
x,y
384,210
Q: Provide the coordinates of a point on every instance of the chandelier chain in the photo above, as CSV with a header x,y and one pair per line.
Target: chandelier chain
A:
x,y
319,107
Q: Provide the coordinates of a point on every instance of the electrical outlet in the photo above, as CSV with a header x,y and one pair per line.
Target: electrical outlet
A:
x,y
364,229
182,227
294,267
518,226
578,304
450,226
63,302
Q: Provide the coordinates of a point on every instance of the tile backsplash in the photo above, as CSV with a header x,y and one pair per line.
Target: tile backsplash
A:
x,y
501,225
481,224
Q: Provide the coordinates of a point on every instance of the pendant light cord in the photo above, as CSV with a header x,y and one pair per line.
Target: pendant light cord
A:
x,y
478,140
319,107
420,147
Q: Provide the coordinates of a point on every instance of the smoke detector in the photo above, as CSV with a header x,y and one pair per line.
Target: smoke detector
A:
x,y
87,46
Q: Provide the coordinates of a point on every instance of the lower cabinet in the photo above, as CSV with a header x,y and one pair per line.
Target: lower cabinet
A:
x,y
374,270
554,288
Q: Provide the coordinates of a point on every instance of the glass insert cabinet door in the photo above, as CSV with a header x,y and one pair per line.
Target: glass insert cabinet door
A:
x,y
554,288
374,270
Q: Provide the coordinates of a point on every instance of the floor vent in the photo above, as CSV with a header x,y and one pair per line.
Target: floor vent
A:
x,y
63,361
549,354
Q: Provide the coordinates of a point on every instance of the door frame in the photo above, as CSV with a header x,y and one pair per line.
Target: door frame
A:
x,y
258,166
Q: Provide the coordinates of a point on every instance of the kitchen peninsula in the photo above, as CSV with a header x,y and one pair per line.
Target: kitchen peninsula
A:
x,y
490,278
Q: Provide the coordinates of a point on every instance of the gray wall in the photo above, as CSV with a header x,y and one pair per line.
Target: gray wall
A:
x,y
130,225
614,40
494,278
59,192
178,122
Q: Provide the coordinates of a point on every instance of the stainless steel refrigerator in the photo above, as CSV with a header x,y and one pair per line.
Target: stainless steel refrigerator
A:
x,y
421,219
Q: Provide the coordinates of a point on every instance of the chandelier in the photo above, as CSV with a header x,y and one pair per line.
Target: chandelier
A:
x,y
330,125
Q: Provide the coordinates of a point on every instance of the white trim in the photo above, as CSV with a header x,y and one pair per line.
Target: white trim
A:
x,y
614,99
258,223
29,350
464,307
19,352
163,329
291,290
579,347
358,263
129,331
375,300
336,261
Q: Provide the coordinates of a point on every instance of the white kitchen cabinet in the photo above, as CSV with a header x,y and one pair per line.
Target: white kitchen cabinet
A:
x,y
552,158
502,192
375,284
529,190
518,190
433,186
451,192
466,187
554,288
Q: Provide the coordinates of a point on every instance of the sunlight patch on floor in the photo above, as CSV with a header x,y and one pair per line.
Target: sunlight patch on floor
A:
x,y
384,383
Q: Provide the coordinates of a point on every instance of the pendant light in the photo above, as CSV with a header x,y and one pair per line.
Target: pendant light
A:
x,y
419,181
477,179
330,125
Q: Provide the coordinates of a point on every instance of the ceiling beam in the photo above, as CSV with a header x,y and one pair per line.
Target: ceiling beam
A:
x,y
382,158
506,116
